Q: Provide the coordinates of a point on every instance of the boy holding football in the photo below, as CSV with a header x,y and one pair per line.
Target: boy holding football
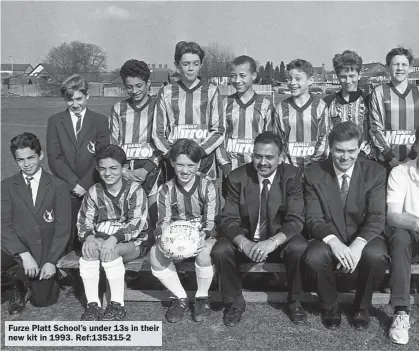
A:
x,y
301,118
189,196
112,224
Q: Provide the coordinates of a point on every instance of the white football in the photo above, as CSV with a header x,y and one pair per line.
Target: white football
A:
x,y
181,239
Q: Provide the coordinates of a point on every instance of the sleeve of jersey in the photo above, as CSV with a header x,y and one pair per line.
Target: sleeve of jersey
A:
x,y
210,210
376,122
269,118
321,148
87,217
217,124
160,124
136,226
396,189
164,203
114,126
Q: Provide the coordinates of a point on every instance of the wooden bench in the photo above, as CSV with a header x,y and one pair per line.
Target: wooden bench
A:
x,y
71,260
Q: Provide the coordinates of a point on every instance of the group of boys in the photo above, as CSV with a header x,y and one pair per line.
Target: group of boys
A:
x,y
154,161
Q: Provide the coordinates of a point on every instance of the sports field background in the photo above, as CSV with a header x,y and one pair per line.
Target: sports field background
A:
x,y
264,326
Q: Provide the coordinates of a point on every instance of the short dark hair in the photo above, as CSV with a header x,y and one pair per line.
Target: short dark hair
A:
x,y
348,59
111,151
269,137
135,68
301,65
188,47
241,60
400,50
186,147
345,131
72,84
23,141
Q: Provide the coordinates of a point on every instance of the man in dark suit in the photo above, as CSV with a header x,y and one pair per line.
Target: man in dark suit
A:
x,y
262,220
72,138
35,226
345,211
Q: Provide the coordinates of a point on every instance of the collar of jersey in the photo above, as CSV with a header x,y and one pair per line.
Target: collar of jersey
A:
x,y
139,109
247,104
302,108
398,93
353,96
183,86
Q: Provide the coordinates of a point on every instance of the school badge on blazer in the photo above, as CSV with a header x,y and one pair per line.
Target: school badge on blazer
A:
x,y
49,216
91,147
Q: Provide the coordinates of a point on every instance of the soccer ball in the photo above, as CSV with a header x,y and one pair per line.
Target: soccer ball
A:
x,y
181,239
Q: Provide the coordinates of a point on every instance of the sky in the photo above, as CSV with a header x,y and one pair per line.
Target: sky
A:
x,y
149,31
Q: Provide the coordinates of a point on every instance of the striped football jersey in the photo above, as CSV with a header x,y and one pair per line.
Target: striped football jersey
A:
x,y
124,215
244,121
303,130
198,205
131,128
394,118
355,110
188,113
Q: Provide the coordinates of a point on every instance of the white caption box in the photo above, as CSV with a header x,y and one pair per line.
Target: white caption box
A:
x,y
70,333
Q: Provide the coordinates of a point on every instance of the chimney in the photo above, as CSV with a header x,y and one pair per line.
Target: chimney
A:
x,y
160,65
165,66
153,65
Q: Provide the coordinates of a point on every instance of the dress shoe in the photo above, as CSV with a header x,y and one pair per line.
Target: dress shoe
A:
x,y
331,318
232,315
297,313
361,320
17,300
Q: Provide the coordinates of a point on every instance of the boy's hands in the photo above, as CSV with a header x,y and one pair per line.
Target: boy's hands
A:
x,y
29,265
91,247
107,251
136,175
48,271
78,190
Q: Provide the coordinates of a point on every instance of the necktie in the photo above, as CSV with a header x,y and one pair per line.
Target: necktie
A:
x,y
78,124
28,184
263,214
344,189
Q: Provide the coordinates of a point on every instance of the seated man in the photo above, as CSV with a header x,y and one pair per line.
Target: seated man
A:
x,y
345,211
112,224
35,226
403,217
189,196
262,220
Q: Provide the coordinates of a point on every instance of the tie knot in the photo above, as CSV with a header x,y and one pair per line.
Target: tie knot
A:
x,y
28,179
345,176
266,182
78,115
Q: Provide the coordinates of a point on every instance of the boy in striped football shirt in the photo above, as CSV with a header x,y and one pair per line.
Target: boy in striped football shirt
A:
x,y
130,125
189,196
189,108
301,118
112,224
247,114
350,103
394,112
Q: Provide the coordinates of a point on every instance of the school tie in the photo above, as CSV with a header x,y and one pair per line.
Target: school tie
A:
x,y
344,189
28,184
263,214
78,124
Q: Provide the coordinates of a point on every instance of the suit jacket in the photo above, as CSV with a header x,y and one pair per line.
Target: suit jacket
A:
x,y
71,159
364,213
43,229
285,203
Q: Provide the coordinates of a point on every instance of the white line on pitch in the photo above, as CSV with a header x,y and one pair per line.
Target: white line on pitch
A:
x,y
23,125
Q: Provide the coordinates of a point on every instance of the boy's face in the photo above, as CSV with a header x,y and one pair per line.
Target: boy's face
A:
x,y
137,88
110,171
399,68
77,103
349,79
298,82
189,67
242,77
28,160
185,169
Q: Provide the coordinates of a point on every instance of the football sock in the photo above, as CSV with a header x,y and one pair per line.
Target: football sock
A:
x,y
115,273
170,279
401,309
89,272
204,277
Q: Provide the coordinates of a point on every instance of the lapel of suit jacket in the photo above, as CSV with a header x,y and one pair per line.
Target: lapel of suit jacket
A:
x,y
23,190
42,190
87,122
251,193
356,186
331,191
275,195
68,126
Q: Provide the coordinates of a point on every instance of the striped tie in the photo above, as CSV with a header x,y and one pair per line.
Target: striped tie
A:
x,y
263,214
28,184
344,189
78,124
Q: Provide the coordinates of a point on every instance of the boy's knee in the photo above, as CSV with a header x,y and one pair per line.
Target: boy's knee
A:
x,y
204,257
157,259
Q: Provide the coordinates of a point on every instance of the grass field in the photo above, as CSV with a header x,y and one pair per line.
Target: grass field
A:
x,y
265,326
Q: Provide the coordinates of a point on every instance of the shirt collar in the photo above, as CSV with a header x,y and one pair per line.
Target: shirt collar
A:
x,y
73,115
36,176
270,178
340,173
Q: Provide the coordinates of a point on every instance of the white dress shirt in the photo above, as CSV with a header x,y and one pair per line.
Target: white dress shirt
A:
x,y
74,119
34,183
261,179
